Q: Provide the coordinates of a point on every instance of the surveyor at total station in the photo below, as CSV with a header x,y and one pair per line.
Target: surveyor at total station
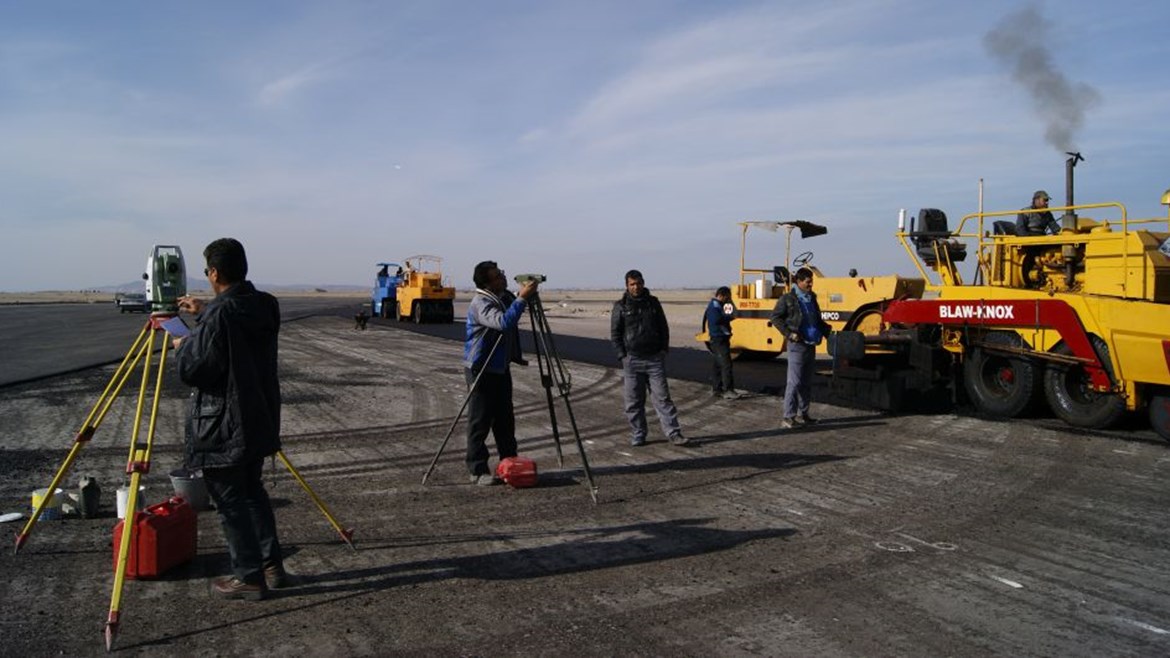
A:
x,y
717,319
492,335
641,338
234,418
1037,223
797,316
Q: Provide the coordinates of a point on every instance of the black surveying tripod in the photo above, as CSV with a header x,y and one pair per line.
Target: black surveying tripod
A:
x,y
552,373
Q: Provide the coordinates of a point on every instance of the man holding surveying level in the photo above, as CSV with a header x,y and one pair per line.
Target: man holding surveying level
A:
x,y
492,335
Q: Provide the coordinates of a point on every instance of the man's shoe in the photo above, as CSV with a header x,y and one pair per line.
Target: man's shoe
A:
x,y
230,587
805,419
485,480
788,423
637,443
732,395
679,440
275,577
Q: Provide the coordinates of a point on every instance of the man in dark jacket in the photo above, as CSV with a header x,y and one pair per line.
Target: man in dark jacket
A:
x,y
717,322
234,417
797,316
1037,223
641,337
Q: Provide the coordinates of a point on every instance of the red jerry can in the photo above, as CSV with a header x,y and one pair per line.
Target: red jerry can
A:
x,y
518,472
164,537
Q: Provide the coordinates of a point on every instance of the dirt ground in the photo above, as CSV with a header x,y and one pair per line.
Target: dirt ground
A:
x,y
865,535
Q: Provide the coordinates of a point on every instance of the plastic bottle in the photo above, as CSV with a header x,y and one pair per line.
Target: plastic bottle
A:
x,y
89,498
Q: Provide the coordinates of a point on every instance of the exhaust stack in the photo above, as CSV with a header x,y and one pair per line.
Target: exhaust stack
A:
x,y
1068,221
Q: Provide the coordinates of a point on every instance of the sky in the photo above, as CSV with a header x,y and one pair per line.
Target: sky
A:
x,y
574,139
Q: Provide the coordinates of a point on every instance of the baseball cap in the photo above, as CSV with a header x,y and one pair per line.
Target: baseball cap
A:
x,y
1041,194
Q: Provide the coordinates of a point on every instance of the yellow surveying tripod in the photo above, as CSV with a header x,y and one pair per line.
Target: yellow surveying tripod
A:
x,y
138,461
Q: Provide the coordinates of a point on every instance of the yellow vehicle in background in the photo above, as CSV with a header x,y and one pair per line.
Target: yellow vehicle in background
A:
x,y
847,303
1079,319
422,294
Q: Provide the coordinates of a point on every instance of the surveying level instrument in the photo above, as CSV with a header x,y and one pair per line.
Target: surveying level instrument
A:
x,y
167,277
552,372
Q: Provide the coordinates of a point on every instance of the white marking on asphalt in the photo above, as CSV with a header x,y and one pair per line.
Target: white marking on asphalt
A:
x,y
795,512
1124,452
732,490
1009,583
624,453
941,545
1145,626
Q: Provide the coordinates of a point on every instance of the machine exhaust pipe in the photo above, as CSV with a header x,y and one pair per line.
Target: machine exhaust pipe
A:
x,y
1068,221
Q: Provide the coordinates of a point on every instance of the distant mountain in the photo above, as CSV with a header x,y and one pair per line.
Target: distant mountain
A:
x,y
201,284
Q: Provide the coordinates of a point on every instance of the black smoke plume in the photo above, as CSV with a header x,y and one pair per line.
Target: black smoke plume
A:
x,y
1018,41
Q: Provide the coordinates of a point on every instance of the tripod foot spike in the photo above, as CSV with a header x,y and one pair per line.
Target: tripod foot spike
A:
x,y
347,535
20,539
111,631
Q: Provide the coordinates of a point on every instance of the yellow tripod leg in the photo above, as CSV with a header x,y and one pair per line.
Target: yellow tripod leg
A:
x,y
137,464
123,559
96,414
346,534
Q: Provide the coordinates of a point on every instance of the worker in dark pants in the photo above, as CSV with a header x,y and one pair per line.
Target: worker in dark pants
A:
x,y
230,358
717,321
491,344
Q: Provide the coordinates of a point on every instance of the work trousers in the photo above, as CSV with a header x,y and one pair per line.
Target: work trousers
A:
x,y
802,359
640,372
721,377
247,519
489,409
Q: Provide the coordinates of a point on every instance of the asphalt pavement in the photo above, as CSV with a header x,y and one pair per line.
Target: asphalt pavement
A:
x,y
864,535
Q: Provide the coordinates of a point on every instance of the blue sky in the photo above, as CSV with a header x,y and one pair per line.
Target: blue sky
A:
x,y
578,139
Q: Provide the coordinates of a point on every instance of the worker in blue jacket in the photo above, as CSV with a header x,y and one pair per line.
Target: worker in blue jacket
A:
x,y
492,338
717,321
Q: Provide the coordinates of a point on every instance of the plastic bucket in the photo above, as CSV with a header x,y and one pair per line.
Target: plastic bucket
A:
x,y
124,498
52,510
189,486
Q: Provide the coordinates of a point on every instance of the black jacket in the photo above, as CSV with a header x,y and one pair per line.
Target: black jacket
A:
x,y
638,326
787,316
230,359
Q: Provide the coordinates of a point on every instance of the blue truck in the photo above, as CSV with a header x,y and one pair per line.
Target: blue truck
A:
x,y
384,297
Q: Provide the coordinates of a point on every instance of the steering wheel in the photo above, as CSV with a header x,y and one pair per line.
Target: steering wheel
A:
x,y
802,259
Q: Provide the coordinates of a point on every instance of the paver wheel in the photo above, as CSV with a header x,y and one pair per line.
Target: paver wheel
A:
x,y
1072,398
1000,384
1159,408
